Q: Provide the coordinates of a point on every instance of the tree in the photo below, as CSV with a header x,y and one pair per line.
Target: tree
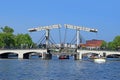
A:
x,y
7,29
23,41
8,40
111,46
104,45
6,37
2,44
116,42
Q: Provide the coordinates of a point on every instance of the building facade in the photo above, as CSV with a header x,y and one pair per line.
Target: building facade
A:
x,y
92,44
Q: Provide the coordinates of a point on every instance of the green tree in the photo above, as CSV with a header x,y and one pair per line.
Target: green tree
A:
x,y
104,45
2,44
6,37
7,29
8,40
23,41
116,42
111,46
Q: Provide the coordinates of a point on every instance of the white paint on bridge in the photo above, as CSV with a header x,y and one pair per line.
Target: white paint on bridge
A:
x,y
98,52
81,52
21,52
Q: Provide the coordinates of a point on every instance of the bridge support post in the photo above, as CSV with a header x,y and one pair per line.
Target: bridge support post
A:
x,y
78,56
20,56
104,54
46,56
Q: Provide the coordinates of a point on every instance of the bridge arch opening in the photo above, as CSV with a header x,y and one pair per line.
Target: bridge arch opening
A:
x,y
89,55
9,55
113,56
32,55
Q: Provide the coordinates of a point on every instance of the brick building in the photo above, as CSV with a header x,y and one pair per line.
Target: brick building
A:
x,y
92,44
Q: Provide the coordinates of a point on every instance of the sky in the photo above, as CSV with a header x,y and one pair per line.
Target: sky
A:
x,y
103,15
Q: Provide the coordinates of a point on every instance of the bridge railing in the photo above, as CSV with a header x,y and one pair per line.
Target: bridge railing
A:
x,y
105,50
54,49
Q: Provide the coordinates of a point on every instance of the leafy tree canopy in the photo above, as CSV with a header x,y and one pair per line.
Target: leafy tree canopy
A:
x,y
10,40
116,42
2,44
23,40
7,29
104,45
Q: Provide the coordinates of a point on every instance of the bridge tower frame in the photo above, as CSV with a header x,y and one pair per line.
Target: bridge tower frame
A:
x,y
47,29
78,28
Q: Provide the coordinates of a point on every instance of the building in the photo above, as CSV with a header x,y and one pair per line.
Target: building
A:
x,y
92,44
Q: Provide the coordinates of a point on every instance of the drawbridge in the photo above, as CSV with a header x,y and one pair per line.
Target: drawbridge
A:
x,y
47,41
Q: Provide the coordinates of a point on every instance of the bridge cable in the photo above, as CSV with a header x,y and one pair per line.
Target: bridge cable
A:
x,y
60,35
51,38
82,38
65,35
54,45
75,42
73,39
41,39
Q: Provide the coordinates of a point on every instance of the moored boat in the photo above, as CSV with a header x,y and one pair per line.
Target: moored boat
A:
x,y
64,57
99,60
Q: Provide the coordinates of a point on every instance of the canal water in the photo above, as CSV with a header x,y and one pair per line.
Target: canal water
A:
x,y
55,69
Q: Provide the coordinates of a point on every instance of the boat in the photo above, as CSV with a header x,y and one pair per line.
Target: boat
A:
x,y
64,57
99,60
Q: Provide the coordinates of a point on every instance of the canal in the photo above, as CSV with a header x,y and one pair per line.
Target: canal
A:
x,y
55,69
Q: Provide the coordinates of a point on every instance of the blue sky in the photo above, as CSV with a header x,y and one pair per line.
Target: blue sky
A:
x,y
103,15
